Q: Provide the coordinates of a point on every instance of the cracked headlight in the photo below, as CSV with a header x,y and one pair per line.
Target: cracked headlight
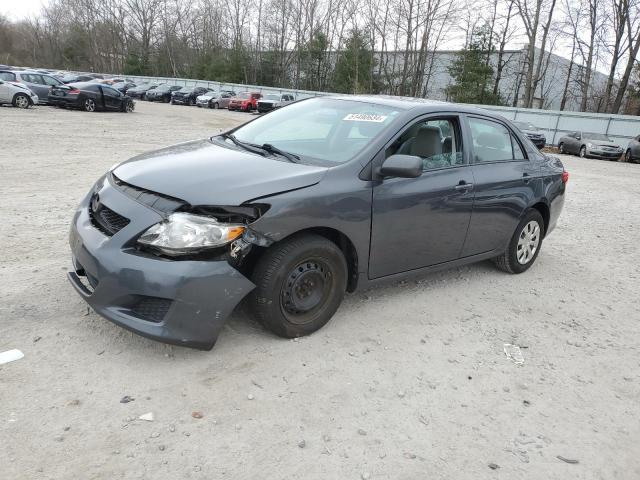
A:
x,y
183,233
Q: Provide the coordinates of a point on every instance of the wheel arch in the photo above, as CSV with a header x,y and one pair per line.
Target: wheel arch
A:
x,y
23,94
544,210
341,240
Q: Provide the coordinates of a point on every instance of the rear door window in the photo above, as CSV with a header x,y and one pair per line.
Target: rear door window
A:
x,y
493,142
7,76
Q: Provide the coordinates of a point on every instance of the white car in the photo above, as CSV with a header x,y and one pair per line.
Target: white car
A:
x,y
16,94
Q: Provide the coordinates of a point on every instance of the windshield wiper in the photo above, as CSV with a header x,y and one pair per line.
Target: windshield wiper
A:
x,y
289,156
246,146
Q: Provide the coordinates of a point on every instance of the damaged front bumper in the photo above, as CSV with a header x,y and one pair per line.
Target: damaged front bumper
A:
x,y
183,302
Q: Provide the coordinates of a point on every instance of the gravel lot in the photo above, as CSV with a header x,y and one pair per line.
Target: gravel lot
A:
x,y
408,381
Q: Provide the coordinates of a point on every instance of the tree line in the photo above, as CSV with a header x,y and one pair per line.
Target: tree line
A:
x,y
350,46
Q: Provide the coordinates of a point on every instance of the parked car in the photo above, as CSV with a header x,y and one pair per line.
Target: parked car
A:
x,y
38,83
162,93
77,77
141,90
632,154
589,145
124,87
16,94
90,96
271,101
536,135
215,99
296,207
245,101
188,95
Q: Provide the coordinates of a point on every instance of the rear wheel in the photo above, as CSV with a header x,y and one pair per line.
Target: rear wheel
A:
x,y
192,101
215,106
561,148
627,156
524,246
300,283
21,101
130,106
89,105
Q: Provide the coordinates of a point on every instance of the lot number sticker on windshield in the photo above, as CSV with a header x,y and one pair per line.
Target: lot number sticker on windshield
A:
x,y
365,117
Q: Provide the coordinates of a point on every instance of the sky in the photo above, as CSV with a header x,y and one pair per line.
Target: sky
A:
x,y
18,9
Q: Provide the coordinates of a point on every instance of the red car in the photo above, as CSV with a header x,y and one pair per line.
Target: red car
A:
x,y
245,101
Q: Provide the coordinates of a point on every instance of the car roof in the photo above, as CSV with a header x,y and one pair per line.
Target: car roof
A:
x,y
425,105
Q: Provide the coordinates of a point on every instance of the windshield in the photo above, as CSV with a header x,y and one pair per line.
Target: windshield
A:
x,y
324,129
597,136
162,88
525,125
186,89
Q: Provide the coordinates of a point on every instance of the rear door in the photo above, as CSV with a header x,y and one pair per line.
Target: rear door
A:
x,y
35,84
419,222
505,182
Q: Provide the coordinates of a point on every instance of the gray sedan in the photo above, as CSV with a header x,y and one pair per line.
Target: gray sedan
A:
x,y
215,99
300,206
632,154
590,145
38,83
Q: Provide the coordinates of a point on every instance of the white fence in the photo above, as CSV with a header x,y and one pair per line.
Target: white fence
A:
x,y
620,128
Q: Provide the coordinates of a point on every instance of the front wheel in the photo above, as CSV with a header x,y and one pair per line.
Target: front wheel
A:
x,y
192,101
89,105
215,106
300,283
130,106
561,148
583,151
627,156
524,246
21,101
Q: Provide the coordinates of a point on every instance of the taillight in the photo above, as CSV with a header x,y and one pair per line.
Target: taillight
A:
x,y
565,176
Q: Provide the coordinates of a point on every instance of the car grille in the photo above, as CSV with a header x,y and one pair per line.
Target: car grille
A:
x,y
152,309
105,219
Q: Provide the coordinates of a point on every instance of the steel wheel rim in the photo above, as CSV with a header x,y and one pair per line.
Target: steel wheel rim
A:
x,y
305,290
22,101
528,242
129,107
89,105
583,152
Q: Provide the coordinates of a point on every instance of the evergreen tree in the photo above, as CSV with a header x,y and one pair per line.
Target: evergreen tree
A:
x,y
472,73
354,67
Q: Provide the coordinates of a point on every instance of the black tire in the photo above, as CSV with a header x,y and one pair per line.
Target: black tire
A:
x,y
192,101
508,261
300,283
561,148
583,152
20,100
215,106
627,156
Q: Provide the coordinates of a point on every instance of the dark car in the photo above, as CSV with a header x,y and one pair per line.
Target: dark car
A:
x,y
188,95
632,154
90,97
536,136
590,145
141,90
245,101
124,87
162,93
302,205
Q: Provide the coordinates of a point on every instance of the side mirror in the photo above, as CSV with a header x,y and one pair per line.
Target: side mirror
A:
x,y
578,137
403,166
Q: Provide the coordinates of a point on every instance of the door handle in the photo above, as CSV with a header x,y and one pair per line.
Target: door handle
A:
x,y
526,177
463,186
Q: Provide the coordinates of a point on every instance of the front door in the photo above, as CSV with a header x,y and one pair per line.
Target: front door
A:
x,y
418,222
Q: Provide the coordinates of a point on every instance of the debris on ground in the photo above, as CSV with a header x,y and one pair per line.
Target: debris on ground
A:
x,y
513,352
147,417
250,397
567,460
494,466
197,414
10,356
126,399
302,444
37,339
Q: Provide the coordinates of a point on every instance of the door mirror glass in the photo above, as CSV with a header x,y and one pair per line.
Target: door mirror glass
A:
x,y
403,166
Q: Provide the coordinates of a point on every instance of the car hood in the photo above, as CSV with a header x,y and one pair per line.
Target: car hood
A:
x,y
204,173
602,143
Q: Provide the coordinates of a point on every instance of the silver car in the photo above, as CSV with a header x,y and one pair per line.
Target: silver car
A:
x,y
215,99
632,154
271,101
17,95
590,145
38,83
